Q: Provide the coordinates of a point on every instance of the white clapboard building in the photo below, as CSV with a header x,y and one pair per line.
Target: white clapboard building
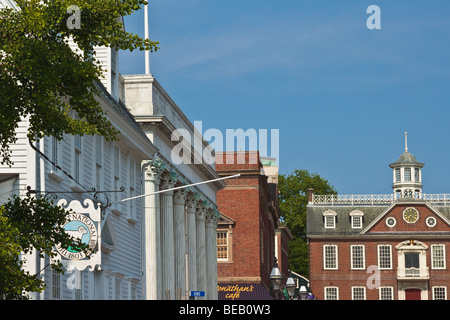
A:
x,y
158,246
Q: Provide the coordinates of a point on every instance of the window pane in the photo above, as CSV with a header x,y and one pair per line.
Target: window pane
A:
x,y
356,222
398,176
358,293
407,174
330,253
386,293
329,221
331,293
384,257
357,257
222,245
411,260
439,293
437,256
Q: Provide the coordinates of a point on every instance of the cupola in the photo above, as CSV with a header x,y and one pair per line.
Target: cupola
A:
x,y
407,174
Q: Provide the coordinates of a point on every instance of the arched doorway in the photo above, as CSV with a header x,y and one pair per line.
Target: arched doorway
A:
x,y
412,294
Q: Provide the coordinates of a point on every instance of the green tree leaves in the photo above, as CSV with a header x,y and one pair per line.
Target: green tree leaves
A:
x,y
28,224
293,195
44,82
42,78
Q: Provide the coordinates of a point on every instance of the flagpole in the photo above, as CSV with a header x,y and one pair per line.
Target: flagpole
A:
x,y
176,188
147,53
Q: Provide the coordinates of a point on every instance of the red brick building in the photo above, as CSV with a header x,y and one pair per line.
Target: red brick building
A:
x,y
381,247
246,230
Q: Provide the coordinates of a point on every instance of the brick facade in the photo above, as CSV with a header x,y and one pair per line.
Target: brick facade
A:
x,y
250,216
381,247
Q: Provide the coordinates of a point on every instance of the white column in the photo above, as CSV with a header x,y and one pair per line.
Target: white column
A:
x,y
201,255
167,238
212,217
191,241
179,200
152,253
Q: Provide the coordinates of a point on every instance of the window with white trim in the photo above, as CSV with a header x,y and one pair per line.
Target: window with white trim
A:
x,y
417,174
55,153
384,256
118,288
407,174
398,176
132,182
358,293
222,245
356,222
386,293
77,157
357,257
330,222
330,258
56,285
329,219
439,293
98,162
356,217
438,256
331,293
78,285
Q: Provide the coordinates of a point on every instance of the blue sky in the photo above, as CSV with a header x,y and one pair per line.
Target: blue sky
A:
x,y
341,95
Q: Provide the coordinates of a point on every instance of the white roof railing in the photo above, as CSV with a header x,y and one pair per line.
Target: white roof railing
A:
x,y
372,199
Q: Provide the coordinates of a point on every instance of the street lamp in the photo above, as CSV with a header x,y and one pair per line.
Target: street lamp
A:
x,y
275,277
290,286
303,293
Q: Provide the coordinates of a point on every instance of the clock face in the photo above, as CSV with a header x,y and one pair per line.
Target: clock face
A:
x,y
410,215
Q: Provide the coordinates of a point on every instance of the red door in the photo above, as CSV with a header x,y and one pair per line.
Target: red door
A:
x,y
412,294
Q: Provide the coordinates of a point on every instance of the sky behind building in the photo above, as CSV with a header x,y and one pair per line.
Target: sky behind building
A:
x,y
341,95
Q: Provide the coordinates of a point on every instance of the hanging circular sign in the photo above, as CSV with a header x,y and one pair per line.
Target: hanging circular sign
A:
x,y
79,226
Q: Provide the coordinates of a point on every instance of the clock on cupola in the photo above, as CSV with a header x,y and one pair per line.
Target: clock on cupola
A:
x,y
407,175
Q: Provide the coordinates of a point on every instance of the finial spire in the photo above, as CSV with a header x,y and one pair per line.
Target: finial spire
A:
x,y
406,141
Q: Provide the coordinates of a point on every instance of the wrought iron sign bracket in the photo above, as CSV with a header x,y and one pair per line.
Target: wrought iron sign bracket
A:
x,y
95,193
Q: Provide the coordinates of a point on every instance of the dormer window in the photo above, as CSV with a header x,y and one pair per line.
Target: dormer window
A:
x,y
356,217
329,219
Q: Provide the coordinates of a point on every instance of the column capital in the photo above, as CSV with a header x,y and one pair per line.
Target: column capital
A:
x,y
179,196
154,168
202,208
191,201
212,217
168,180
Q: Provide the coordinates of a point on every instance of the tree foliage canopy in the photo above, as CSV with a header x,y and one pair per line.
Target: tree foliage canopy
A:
x,y
45,81
293,195
28,224
42,78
